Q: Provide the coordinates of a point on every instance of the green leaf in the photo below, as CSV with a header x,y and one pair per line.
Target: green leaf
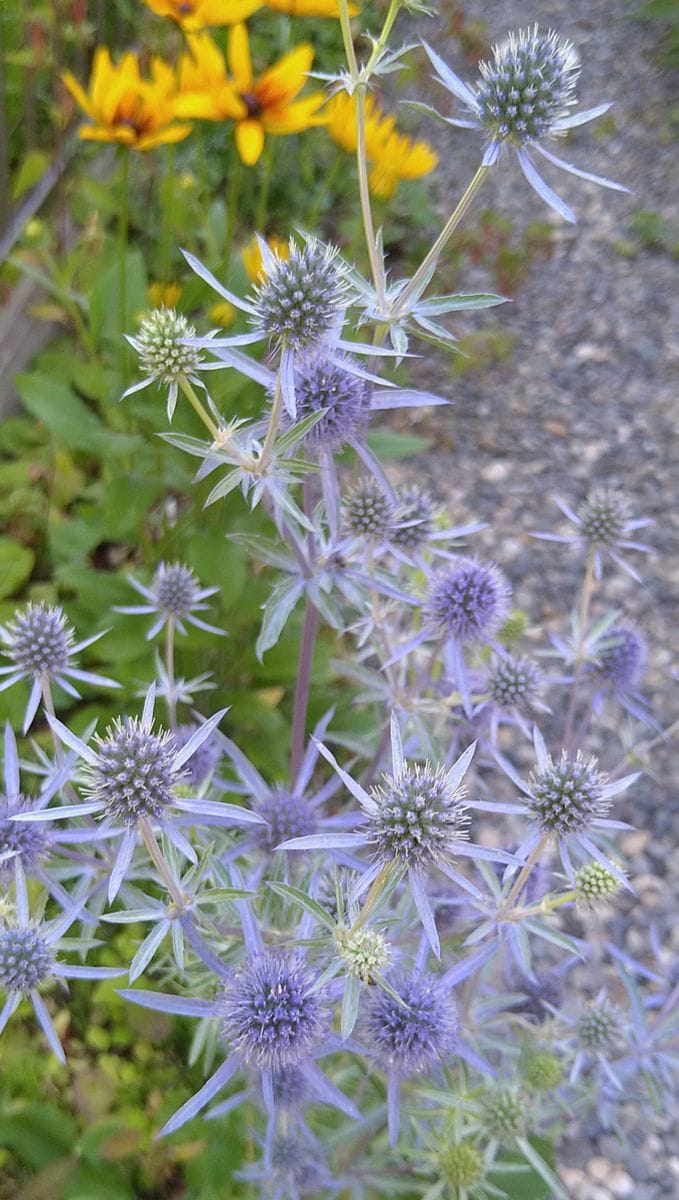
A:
x,y
68,418
16,564
32,168
310,906
350,1001
543,1169
105,299
528,1184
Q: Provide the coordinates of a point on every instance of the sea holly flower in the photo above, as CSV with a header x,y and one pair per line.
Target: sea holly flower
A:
x,y
272,1017
41,646
131,780
164,357
25,849
293,1166
603,526
415,818
524,97
175,596
124,108
297,306
367,510
291,810
410,1033
514,686
28,960
192,15
259,106
567,800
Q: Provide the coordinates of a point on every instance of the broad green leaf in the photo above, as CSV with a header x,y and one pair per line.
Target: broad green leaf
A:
x,y
311,906
16,564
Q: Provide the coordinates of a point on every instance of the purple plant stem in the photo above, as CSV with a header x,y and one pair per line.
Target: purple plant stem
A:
x,y
302,687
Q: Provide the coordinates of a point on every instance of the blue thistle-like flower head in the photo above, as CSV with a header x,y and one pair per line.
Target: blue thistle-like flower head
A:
x,y
527,87
567,795
294,1167
25,840
541,990
204,760
367,509
268,1014
413,520
469,601
300,297
176,589
601,1026
411,1039
39,640
603,516
321,383
291,1088
134,773
25,958
162,356
515,682
419,816
622,659
288,816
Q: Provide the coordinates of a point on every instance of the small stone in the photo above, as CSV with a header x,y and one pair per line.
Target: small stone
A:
x,y
620,1183
598,1168
632,844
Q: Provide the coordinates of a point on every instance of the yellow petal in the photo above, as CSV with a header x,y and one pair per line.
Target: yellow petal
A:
x,y
163,137
249,140
227,12
286,79
294,117
78,93
238,55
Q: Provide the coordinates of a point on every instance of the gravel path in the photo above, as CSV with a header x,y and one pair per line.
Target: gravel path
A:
x,y
587,396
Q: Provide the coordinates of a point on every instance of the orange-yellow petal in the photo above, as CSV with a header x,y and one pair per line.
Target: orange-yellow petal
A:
x,y
309,8
293,118
238,55
164,137
286,78
249,140
78,93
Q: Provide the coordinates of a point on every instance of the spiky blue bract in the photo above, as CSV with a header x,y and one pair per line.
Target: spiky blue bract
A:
x,y
601,1026
413,521
567,795
622,658
159,346
367,509
294,1167
527,86
540,991
134,772
469,601
321,383
25,958
39,639
176,589
26,841
204,760
419,816
288,816
515,682
299,299
268,1014
410,1038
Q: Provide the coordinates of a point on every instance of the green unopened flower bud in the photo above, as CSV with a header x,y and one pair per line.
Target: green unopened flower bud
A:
x,y
593,882
543,1071
158,344
364,951
503,1115
461,1165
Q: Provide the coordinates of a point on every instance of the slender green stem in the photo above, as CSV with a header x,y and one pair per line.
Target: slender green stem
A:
x,y
264,186
303,687
392,13
46,689
274,422
169,667
161,863
419,278
123,236
521,878
199,408
167,205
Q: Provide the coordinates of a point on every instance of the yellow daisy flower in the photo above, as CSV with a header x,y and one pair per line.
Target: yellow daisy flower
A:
x,y
164,295
399,157
223,314
125,108
252,255
393,155
309,8
267,105
205,89
192,15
